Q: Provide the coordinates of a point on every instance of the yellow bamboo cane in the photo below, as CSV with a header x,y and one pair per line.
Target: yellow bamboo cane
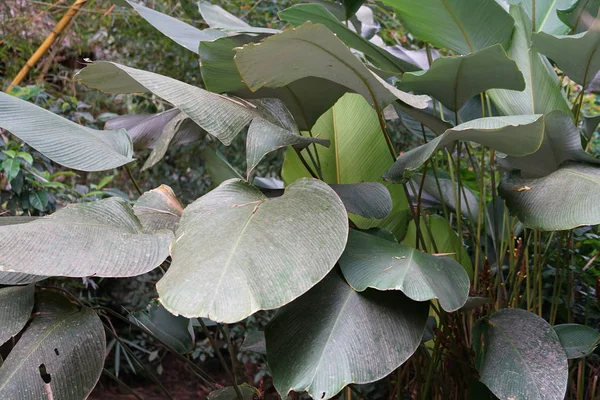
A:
x,y
60,26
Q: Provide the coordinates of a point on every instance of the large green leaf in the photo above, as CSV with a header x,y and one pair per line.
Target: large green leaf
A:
x,y
281,59
577,55
15,278
542,92
562,142
218,18
367,199
171,330
102,238
563,200
517,135
372,262
220,116
181,33
318,14
16,303
257,253
217,166
461,26
158,209
520,357
61,351
546,17
577,340
337,336
580,15
454,80
358,153
62,141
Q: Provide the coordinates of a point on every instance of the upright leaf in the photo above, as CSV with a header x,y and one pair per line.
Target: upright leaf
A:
x,y
16,303
519,356
577,340
546,16
102,238
542,92
461,26
372,262
577,55
337,336
565,199
258,253
158,209
580,15
454,80
62,141
283,58
218,168
61,351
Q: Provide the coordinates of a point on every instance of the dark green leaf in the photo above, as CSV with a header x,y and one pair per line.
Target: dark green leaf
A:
x,y
16,303
38,199
367,199
577,340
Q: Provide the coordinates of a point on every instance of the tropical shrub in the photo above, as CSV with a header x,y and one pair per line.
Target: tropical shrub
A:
x,y
427,267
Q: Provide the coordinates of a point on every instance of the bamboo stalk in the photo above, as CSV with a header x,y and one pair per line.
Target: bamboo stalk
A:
x,y
60,26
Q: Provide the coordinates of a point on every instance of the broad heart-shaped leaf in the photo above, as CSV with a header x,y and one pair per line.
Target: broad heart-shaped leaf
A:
x,y
580,15
577,340
216,17
281,59
170,329
517,135
181,33
372,262
546,16
520,357
318,14
218,115
562,142
62,341
367,199
337,336
158,209
461,26
102,238
16,303
565,199
454,80
358,153
542,92
257,253
577,55
436,229
62,141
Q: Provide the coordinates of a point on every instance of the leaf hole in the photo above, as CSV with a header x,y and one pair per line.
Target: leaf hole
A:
x,y
56,352
44,375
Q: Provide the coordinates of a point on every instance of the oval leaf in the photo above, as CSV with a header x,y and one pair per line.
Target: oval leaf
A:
x,y
16,304
256,253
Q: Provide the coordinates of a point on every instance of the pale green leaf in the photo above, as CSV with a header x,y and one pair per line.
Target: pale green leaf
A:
x,y
16,303
257,253
102,238
62,141
158,209
337,336
216,17
546,16
372,262
577,340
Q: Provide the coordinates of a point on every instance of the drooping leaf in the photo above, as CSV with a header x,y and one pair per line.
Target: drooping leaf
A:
x,y
454,80
580,15
102,238
229,393
517,135
589,125
218,168
218,115
64,142
181,33
216,17
425,122
337,336
173,331
542,93
358,153
577,340
258,253
367,199
546,16
463,27
414,57
62,351
281,59
577,55
158,209
519,356
371,262
16,303
562,142
565,199
318,14
436,229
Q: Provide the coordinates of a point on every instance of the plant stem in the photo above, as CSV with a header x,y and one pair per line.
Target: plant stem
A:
x,y
232,352
137,187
